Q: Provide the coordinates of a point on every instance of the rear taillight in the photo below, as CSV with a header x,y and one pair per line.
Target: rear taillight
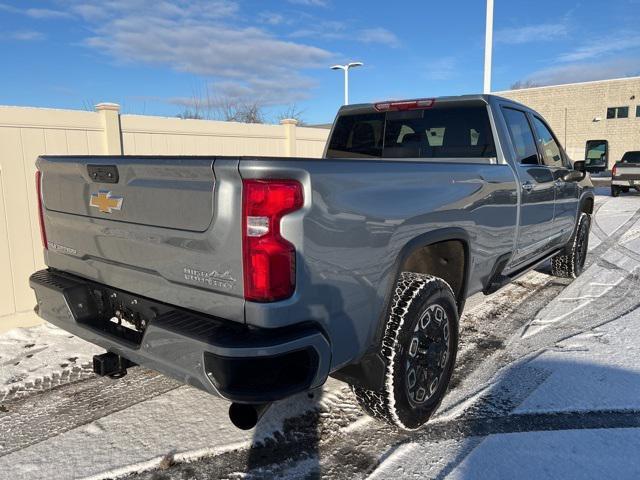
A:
x,y
405,104
269,259
43,232
614,171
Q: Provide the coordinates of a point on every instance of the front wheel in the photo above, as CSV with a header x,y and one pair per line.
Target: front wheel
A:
x,y
570,263
419,346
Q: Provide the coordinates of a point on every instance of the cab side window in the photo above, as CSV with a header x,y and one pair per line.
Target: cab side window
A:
x,y
521,136
551,154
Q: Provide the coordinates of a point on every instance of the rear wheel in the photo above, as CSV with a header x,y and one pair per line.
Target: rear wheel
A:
x,y
625,189
570,263
615,190
419,346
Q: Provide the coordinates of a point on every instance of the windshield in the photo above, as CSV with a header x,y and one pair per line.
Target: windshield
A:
x,y
631,157
455,132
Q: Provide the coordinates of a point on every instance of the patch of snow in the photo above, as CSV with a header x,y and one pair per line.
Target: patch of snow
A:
x,y
584,291
597,370
422,460
29,355
612,215
584,454
186,422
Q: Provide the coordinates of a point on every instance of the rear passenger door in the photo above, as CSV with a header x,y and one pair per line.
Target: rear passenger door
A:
x,y
537,189
567,193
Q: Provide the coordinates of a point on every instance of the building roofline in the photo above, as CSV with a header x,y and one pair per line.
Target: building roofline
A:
x,y
567,84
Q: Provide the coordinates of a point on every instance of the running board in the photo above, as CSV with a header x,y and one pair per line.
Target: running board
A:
x,y
498,280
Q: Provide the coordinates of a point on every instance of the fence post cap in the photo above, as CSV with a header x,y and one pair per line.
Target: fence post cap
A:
x,y
107,106
288,121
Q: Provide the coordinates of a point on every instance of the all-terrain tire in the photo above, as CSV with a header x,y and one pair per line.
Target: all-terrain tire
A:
x,y
615,190
570,263
419,346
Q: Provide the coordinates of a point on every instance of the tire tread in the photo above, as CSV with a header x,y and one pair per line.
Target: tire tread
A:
x,y
381,404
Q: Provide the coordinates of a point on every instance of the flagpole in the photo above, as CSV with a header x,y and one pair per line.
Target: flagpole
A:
x,y
488,47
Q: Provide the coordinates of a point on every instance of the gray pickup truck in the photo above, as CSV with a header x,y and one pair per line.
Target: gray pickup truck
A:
x,y
256,278
625,174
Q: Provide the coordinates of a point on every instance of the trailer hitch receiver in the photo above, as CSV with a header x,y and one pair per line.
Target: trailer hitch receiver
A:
x,y
111,365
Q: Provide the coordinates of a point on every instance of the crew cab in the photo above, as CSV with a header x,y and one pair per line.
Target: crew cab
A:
x,y
625,174
255,278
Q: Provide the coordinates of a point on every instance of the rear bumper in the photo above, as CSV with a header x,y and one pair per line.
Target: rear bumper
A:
x,y
626,182
225,358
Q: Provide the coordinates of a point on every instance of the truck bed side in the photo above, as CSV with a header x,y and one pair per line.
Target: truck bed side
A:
x,y
362,216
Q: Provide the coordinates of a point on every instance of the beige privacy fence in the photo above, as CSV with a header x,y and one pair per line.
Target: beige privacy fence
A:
x,y
26,133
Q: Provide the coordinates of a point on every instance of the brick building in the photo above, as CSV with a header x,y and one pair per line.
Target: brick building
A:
x,y
595,120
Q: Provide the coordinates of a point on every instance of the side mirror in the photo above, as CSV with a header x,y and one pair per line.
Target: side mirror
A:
x,y
580,166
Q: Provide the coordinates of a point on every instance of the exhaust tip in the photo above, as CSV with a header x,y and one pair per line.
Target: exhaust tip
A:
x,y
246,416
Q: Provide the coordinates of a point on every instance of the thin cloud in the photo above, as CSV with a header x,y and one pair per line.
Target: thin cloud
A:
x,y
326,30
272,18
196,10
587,71
532,33
336,30
441,69
46,13
26,36
259,91
38,13
311,3
602,47
379,35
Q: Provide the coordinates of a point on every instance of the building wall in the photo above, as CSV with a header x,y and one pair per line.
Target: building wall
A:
x,y
26,133
571,111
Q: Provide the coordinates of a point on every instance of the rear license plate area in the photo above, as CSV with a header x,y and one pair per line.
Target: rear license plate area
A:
x,y
116,313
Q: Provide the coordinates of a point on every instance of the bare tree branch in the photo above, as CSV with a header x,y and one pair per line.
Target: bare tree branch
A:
x,y
292,111
522,84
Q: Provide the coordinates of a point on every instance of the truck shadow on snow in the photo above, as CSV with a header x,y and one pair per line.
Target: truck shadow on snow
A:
x,y
297,420
541,395
546,394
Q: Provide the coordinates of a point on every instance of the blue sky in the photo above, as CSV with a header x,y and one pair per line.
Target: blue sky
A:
x,y
156,57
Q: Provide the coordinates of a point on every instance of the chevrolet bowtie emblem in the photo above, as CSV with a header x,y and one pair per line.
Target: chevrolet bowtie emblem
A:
x,y
105,201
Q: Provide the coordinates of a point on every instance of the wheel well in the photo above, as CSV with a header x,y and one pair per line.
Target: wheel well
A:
x,y
587,206
446,259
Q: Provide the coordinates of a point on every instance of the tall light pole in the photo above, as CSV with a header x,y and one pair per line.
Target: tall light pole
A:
x,y
346,68
488,47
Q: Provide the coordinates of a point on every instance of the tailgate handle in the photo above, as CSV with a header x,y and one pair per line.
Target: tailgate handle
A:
x,y
103,173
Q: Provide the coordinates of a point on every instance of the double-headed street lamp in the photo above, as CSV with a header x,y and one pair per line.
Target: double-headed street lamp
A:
x,y
346,77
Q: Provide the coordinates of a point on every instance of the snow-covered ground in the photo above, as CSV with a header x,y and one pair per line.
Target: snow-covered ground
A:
x,y
547,386
37,358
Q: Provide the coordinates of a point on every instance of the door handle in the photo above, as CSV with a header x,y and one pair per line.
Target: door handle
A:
x,y
527,186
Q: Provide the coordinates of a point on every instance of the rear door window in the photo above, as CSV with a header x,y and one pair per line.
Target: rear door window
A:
x,y
521,136
446,132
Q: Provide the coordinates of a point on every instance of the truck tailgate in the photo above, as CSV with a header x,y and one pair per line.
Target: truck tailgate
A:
x,y
164,227
627,171
149,191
